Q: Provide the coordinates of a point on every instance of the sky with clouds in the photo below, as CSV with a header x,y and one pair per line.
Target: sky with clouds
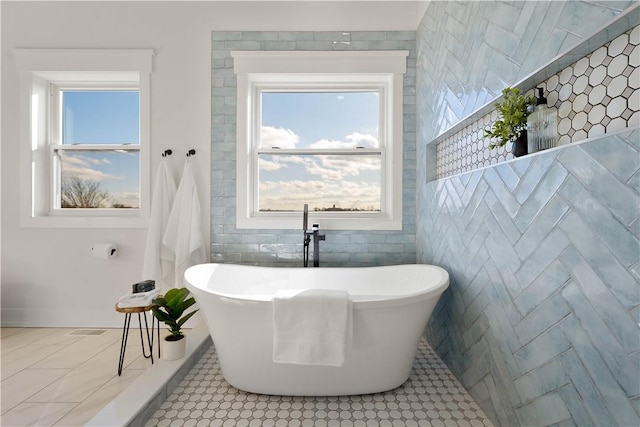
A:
x,y
319,121
290,120
100,118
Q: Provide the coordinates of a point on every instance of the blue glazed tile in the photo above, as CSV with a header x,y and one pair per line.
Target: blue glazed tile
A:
x,y
546,188
591,403
601,183
612,352
575,406
612,394
498,245
619,157
622,326
501,295
542,380
634,181
508,340
541,318
545,254
474,202
471,292
527,25
623,244
477,241
508,176
501,393
550,281
576,13
543,348
621,282
502,218
501,191
541,226
546,410
476,331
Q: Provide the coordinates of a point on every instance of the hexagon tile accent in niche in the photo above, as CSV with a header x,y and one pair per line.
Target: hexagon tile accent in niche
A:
x,y
598,94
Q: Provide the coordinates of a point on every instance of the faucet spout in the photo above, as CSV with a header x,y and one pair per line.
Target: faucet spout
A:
x,y
306,236
317,237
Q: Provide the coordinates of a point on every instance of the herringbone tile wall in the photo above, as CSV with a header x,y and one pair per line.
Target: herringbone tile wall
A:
x,y
541,320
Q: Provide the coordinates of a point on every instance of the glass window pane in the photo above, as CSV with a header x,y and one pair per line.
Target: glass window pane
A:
x,y
320,119
325,182
99,179
101,117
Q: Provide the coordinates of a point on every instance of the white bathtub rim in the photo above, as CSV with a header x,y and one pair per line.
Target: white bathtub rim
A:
x,y
359,301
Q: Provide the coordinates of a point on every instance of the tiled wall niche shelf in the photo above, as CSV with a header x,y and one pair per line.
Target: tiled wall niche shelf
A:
x,y
562,62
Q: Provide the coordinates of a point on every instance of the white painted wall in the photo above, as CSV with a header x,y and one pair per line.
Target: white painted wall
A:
x,y
49,277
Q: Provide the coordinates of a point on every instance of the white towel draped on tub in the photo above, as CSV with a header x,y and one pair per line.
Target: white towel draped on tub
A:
x,y
312,327
183,235
158,259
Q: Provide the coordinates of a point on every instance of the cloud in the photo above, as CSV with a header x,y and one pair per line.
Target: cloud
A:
x,y
353,140
363,140
292,195
269,165
278,137
81,167
328,167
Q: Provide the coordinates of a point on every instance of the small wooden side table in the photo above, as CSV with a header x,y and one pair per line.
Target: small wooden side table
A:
x,y
155,324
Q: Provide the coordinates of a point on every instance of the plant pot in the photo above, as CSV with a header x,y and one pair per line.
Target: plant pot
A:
x,y
173,349
519,146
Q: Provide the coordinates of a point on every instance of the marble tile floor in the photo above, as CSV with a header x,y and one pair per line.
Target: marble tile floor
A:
x,y
51,377
431,397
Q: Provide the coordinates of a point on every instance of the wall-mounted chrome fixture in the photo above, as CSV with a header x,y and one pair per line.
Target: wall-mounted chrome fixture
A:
x,y
166,153
191,152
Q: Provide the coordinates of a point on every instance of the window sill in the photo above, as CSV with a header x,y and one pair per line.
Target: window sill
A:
x,y
289,221
83,222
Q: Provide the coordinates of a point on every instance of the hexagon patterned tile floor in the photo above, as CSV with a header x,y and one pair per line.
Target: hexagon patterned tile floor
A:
x,y
430,397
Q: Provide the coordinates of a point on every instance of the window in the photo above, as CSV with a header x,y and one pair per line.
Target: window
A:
x,y
85,134
95,147
321,128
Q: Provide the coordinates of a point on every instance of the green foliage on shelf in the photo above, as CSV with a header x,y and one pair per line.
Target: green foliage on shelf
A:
x,y
513,110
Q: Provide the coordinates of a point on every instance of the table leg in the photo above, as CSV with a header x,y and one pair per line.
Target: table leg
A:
x,y
123,345
142,339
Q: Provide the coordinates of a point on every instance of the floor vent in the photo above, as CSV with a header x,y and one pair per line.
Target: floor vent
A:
x,y
87,332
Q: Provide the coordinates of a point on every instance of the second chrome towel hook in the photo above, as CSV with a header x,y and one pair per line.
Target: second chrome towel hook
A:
x,y
167,153
191,152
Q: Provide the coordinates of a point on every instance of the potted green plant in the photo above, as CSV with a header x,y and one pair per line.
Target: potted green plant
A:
x,y
170,309
511,126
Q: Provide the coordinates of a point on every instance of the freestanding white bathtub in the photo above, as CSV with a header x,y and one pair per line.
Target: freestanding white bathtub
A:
x,y
391,307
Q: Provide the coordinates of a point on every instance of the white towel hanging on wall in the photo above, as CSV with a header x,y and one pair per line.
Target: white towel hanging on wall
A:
x,y
183,235
158,259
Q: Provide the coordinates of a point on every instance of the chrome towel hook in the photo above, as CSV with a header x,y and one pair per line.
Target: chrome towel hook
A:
x,y
191,152
166,153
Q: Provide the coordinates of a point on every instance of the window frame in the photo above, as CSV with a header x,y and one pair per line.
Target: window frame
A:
x,y
56,144
41,68
298,71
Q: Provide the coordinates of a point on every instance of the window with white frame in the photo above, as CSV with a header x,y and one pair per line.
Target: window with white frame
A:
x,y
323,129
86,132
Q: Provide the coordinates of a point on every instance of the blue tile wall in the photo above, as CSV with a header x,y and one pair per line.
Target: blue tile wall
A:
x,y
540,322
284,247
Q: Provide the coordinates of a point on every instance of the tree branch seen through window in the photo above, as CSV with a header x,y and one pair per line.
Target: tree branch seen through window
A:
x,y
82,193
